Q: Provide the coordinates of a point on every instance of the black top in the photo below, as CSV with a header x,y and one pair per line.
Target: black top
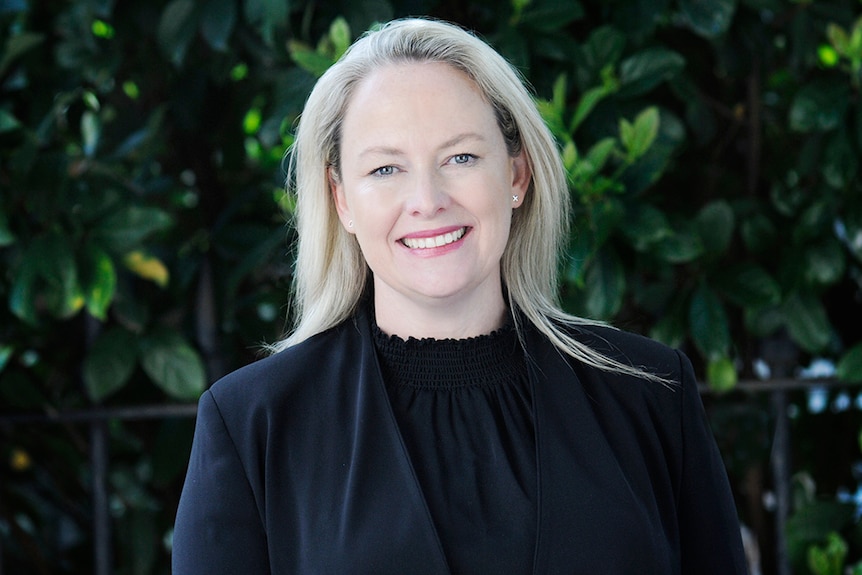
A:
x,y
464,410
299,467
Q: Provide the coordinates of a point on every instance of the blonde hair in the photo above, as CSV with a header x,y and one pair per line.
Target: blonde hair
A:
x,y
331,274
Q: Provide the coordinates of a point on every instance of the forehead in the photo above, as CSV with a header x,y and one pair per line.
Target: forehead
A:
x,y
416,104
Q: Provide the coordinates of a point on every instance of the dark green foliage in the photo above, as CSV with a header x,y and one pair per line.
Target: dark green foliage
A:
x,y
713,149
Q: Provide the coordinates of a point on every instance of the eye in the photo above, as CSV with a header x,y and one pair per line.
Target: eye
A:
x,y
383,171
463,158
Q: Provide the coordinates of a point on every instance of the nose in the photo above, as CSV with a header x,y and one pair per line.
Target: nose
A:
x,y
426,195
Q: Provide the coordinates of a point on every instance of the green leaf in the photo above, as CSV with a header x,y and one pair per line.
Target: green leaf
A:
x,y
267,15
7,238
588,101
22,300
708,324
758,233
679,248
309,59
670,329
8,122
645,225
217,23
721,374
173,365
603,48
819,106
840,161
109,363
715,225
16,46
339,35
807,321
638,137
646,69
824,262
6,352
709,18
849,369
177,27
748,286
605,286
550,15
98,281
129,226
597,156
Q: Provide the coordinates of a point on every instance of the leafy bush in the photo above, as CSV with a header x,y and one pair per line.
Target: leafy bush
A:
x,y
713,149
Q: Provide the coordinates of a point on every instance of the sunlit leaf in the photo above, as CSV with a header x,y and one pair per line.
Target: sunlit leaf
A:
x,y
109,363
309,59
340,36
98,281
639,136
148,267
721,374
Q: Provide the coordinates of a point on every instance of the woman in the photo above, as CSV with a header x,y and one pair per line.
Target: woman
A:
x,y
434,411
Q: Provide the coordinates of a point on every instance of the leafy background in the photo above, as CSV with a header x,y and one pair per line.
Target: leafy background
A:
x,y
713,148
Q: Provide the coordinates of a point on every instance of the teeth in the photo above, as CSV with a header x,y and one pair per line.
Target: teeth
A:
x,y
435,242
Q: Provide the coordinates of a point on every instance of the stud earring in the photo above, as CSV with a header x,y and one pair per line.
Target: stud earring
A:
x,y
350,223
514,198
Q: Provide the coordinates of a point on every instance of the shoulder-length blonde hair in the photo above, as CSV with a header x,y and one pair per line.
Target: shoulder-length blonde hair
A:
x,y
331,273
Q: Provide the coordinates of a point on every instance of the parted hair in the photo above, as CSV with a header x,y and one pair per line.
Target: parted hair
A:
x,y
331,273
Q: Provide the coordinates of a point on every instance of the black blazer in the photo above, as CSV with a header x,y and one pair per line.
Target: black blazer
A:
x,y
298,466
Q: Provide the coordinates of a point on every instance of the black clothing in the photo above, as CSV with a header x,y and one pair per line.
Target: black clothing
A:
x,y
299,466
464,410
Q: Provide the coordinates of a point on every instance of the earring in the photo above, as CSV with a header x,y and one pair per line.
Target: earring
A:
x,y
514,198
350,223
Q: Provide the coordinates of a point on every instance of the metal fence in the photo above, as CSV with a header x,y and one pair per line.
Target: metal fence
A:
x,y
96,420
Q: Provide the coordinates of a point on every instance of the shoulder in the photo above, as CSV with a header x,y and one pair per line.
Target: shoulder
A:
x,y
632,349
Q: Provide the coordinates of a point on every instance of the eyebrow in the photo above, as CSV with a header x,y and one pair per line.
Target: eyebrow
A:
x,y
391,151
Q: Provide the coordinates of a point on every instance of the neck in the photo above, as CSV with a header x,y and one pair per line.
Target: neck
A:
x,y
441,319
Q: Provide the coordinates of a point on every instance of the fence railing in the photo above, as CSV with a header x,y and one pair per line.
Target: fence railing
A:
x,y
97,418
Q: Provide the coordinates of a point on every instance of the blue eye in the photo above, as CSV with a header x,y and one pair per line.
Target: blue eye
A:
x,y
463,158
384,171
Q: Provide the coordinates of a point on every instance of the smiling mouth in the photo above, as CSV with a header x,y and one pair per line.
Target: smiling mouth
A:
x,y
435,241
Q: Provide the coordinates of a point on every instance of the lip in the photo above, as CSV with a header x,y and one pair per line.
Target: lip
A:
x,y
436,250
434,233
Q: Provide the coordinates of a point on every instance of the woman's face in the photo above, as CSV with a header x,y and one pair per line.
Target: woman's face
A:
x,y
428,188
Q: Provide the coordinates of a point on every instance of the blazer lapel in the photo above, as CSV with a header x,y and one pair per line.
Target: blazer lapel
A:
x,y
390,512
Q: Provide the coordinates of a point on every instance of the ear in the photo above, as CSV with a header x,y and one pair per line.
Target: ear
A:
x,y
336,187
522,175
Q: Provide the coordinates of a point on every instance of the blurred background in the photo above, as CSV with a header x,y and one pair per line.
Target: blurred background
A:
x,y
713,149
